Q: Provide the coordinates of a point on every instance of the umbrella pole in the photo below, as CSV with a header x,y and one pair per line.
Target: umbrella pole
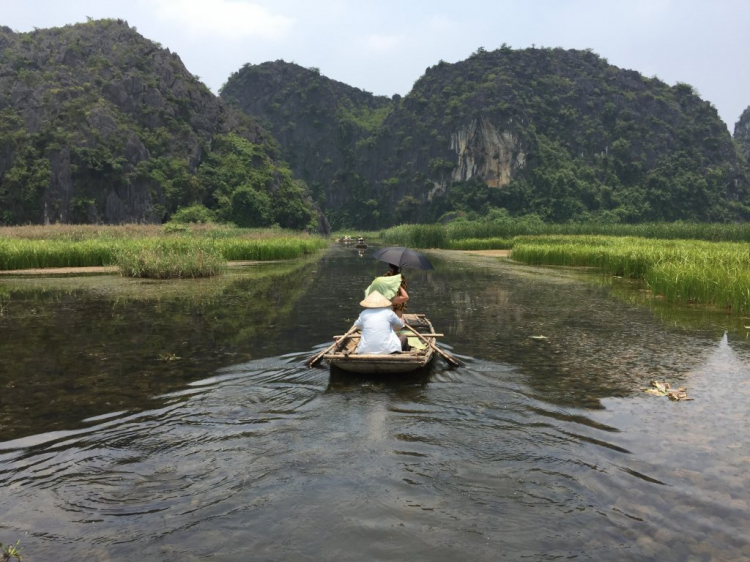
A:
x,y
447,356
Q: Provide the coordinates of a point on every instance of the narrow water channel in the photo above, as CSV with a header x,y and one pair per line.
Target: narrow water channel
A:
x,y
176,421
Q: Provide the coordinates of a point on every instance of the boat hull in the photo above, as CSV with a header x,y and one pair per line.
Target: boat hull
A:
x,y
380,364
345,358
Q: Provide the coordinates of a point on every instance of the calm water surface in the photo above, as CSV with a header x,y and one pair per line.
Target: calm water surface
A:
x,y
176,421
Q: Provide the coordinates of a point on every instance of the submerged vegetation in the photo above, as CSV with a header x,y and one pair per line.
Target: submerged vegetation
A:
x,y
132,247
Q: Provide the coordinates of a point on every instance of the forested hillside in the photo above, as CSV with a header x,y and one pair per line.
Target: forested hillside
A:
x,y
742,134
99,124
318,121
558,133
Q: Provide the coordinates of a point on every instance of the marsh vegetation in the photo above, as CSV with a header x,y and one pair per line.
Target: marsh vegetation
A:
x,y
695,263
149,250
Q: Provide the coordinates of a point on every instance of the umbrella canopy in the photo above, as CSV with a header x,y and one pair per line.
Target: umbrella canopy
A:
x,y
402,257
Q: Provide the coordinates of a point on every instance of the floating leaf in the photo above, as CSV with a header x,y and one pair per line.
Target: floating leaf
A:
x,y
660,386
664,389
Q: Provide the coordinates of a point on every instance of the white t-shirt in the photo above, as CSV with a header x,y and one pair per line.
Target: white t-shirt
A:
x,y
377,325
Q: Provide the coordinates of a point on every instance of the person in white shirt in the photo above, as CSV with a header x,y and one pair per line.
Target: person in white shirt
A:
x,y
378,323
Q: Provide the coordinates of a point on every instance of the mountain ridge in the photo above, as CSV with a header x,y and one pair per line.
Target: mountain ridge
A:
x,y
559,133
99,124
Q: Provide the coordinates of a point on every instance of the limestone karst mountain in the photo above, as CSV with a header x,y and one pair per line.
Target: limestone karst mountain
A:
x,y
560,133
99,124
742,134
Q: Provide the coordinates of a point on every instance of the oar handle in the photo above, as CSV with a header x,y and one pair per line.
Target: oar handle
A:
x,y
448,357
316,358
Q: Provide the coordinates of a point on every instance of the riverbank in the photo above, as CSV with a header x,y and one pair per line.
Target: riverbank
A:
x,y
488,253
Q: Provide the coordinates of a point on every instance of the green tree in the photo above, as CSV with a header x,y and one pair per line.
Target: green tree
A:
x,y
251,208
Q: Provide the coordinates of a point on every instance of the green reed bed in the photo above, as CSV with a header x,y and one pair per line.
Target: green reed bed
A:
x,y
416,236
713,273
165,262
442,236
28,254
101,248
78,232
713,232
480,244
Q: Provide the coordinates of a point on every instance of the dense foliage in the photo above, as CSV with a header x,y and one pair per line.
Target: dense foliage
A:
x,y
558,133
319,122
98,124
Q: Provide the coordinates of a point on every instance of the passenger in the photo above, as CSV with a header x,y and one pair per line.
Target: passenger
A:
x,y
392,285
377,324
401,298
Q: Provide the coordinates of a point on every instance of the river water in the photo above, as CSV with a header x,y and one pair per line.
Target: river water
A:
x,y
176,420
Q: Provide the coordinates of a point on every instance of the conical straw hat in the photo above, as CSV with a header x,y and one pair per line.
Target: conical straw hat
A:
x,y
375,300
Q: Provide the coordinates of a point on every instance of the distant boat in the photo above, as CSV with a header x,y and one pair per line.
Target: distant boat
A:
x,y
344,357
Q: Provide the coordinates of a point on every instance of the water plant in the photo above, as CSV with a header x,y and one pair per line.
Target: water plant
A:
x,y
11,551
168,262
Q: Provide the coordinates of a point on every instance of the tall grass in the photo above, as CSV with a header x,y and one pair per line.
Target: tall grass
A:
x,y
63,246
161,262
439,236
480,244
416,235
712,273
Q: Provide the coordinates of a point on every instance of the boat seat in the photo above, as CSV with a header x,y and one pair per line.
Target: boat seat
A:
x,y
415,320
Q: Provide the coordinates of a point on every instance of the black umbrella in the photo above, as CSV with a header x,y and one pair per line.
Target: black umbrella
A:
x,y
402,257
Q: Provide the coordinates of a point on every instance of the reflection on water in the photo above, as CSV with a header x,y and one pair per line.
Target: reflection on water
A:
x,y
538,449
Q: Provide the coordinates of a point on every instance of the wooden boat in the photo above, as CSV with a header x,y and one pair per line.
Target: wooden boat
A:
x,y
344,357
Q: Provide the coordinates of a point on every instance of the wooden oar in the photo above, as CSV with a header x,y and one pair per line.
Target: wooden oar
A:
x,y
448,357
313,360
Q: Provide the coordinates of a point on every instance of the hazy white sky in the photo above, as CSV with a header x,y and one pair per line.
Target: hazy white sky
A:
x,y
384,46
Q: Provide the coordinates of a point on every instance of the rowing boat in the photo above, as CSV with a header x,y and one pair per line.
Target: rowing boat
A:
x,y
344,357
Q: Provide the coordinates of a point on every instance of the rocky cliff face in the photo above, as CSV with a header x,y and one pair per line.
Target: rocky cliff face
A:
x,y
562,134
742,134
99,124
485,153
